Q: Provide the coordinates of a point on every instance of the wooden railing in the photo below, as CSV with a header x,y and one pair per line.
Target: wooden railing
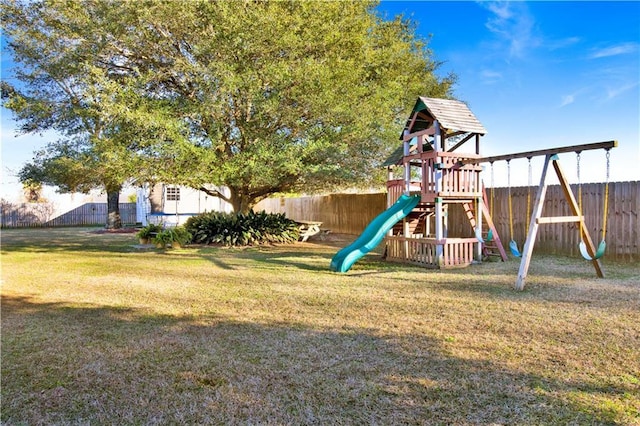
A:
x,y
444,176
456,252
395,188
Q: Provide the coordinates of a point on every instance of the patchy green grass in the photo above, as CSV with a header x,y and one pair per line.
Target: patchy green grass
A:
x,y
97,331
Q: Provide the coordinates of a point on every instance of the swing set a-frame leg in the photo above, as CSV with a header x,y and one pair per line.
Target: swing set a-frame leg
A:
x,y
536,216
575,209
527,250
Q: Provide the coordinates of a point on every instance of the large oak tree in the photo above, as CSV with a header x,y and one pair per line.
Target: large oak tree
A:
x,y
276,97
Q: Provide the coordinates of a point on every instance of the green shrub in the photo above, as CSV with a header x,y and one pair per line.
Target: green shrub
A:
x,y
149,231
179,235
163,237
233,229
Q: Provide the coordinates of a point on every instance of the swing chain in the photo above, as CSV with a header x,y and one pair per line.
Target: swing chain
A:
x,y
605,208
529,182
509,197
491,199
579,182
513,246
492,174
579,193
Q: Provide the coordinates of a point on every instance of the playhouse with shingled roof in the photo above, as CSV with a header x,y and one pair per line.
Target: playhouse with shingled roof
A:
x,y
433,139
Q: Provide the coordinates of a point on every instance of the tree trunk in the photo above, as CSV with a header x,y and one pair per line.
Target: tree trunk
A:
x,y
241,203
114,221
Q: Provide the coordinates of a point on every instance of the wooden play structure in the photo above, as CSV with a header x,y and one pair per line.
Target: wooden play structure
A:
x,y
444,179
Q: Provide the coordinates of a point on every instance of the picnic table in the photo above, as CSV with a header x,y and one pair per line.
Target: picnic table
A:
x,y
308,228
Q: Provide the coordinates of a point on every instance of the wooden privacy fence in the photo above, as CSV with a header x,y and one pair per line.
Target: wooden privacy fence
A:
x,y
341,213
26,215
351,213
623,227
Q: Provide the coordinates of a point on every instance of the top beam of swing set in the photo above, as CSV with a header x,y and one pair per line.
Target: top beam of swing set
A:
x,y
550,151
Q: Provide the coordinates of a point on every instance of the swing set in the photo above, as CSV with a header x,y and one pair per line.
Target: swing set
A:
x,y
586,246
513,246
603,245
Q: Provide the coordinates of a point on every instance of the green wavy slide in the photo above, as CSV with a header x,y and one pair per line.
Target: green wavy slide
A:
x,y
374,233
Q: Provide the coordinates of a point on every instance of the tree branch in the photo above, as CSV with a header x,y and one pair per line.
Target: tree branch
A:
x,y
214,193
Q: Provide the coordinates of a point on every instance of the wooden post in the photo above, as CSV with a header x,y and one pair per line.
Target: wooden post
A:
x,y
479,225
533,225
406,229
436,147
439,223
439,206
407,166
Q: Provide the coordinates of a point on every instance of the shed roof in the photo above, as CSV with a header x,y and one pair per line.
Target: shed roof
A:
x,y
451,114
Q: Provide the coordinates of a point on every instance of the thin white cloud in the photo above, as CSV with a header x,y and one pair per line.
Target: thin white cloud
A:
x,y
598,93
567,100
575,96
490,76
501,9
562,43
619,90
619,49
512,23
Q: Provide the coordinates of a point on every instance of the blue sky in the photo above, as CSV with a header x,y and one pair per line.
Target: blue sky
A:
x,y
536,74
543,74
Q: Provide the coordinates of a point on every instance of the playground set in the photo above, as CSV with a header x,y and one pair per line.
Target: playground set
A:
x,y
435,178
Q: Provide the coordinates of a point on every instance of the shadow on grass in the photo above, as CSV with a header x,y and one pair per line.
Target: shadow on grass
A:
x,y
66,239
300,259
66,364
88,241
493,279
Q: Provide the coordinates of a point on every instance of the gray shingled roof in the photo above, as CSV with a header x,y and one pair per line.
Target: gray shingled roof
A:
x,y
451,114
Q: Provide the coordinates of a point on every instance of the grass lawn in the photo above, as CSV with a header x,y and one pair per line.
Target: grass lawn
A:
x,y
98,331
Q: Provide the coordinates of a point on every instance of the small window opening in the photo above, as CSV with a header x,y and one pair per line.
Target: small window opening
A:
x,y
173,193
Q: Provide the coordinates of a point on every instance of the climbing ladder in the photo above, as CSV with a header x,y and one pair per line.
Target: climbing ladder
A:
x,y
491,248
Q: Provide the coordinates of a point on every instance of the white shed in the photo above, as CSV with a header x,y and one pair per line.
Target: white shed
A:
x,y
174,204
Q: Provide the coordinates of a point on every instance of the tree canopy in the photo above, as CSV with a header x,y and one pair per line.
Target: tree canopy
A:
x,y
65,84
260,97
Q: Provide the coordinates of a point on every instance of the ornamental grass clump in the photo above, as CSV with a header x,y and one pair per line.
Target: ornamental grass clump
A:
x,y
239,229
175,237
148,232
